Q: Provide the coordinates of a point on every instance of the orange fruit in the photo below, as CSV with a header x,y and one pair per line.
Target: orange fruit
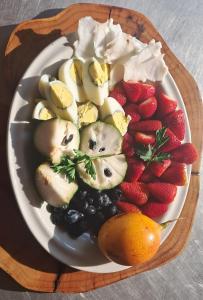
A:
x,y
129,239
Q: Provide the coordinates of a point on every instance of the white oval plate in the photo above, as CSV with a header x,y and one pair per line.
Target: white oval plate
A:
x,y
83,252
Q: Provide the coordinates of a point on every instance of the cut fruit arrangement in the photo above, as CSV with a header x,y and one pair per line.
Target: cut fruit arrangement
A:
x,y
111,144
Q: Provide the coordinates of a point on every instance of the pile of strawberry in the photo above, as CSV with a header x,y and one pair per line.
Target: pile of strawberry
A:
x,y
156,157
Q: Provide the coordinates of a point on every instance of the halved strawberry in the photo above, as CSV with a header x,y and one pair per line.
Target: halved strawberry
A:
x,y
158,168
175,174
166,105
172,143
132,110
135,192
185,153
148,91
118,93
147,176
148,107
154,209
175,121
144,138
147,125
127,207
128,145
163,192
135,169
133,90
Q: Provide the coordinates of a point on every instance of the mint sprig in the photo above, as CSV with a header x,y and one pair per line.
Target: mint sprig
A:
x,y
151,153
67,165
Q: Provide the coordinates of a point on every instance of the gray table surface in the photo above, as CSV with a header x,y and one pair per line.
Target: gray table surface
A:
x,y
181,25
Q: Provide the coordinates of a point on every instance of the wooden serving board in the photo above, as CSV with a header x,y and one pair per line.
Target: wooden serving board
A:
x,y
20,254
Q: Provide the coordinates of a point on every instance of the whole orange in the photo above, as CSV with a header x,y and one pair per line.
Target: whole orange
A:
x,y
129,239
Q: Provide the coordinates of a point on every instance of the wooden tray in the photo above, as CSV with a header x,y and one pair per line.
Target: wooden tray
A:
x,y
20,254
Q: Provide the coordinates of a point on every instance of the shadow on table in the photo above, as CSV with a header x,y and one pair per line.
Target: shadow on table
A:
x,y
15,238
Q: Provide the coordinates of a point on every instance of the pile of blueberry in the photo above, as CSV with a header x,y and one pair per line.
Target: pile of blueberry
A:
x,y
87,211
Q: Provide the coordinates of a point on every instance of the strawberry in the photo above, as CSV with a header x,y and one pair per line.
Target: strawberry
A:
x,y
185,153
147,176
118,93
133,90
127,207
148,107
132,110
175,121
128,145
135,169
162,192
135,192
147,125
148,91
158,168
172,143
144,138
175,174
166,105
154,209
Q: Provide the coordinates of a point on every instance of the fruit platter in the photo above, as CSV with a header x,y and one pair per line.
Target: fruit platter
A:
x,y
111,140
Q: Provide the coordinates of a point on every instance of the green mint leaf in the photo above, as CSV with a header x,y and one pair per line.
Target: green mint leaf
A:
x,y
145,153
161,139
161,156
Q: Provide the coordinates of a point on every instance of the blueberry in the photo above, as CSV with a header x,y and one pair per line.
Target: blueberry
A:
x,y
78,204
78,228
102,201
82,194
115,194
90,200
72,216
57,218
50,208
96,221
105,200
91,210
110,211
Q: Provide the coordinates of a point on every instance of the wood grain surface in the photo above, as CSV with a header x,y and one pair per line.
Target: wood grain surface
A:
x,y
46,272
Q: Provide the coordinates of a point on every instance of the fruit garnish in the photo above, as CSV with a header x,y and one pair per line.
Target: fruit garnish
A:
x,y
175,174
148,107
176,122
128,145
154,209
118,94
185,153
135,169
67,165
144,138
130,239
158,168
127,207
151,153
147,125
135,192
132,110
133,90
162,192
54,188
166,105
172,143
